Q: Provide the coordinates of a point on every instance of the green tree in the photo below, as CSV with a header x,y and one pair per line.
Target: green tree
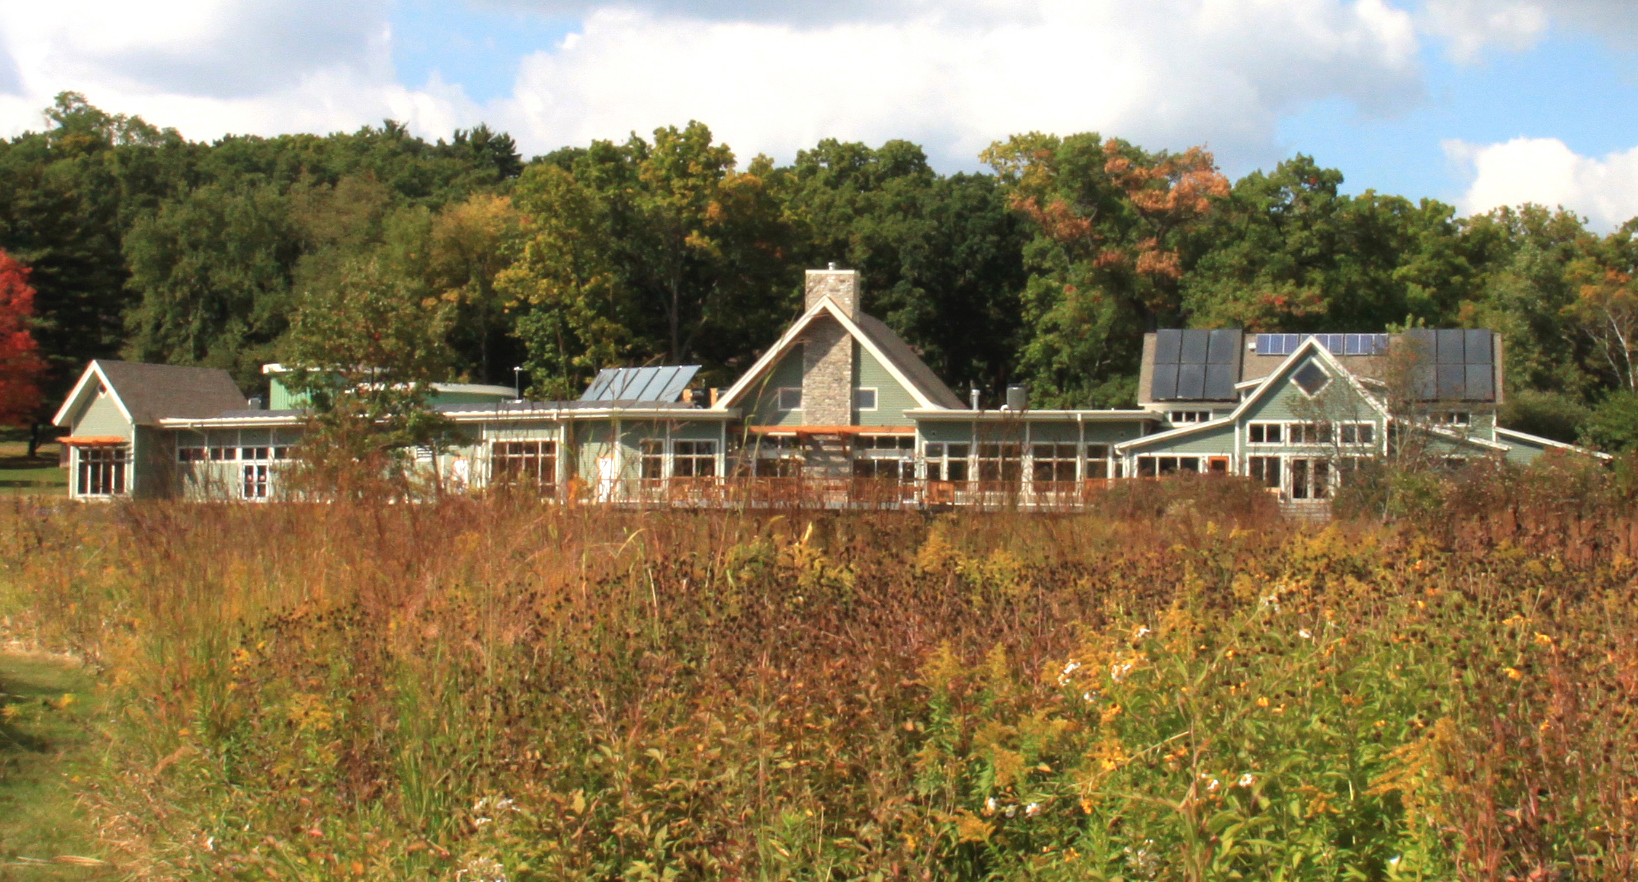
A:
x,y
213,270
1114,233
364,354
942,257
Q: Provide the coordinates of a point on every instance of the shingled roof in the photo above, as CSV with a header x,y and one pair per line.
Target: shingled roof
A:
x,y
153,392
905,359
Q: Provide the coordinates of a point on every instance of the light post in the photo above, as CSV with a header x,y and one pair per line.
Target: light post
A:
x,y
517,383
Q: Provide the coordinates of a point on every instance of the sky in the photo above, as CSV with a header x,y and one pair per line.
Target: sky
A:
x,y
1478,103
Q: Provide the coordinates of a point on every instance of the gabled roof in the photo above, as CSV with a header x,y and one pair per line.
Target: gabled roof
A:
x,y
1311,345
888,348
148,393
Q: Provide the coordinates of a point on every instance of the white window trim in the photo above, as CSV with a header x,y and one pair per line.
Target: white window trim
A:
x,y
779,398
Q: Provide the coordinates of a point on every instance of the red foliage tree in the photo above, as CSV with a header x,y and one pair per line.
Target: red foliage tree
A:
x,y
20,362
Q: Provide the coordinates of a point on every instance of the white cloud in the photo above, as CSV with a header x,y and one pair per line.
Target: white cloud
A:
x,y
1546,171
1161,72
1471,26
214,67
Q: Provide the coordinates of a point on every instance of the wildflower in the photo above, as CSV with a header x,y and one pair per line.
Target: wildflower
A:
x,y
1088,697
1262,701
1119,672
1543,640
989,806
1514,673
1032,809
1072,667
1212,785
1304,634
1245,780
1141,632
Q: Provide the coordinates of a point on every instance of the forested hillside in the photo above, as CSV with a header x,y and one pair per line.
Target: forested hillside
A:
x,y
669,248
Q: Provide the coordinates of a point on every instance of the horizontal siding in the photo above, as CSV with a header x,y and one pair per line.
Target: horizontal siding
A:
x,y
1218,440
102,418
892,398
763,409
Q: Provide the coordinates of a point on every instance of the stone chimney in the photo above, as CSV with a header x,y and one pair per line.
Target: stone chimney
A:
x,y
841,286
827,351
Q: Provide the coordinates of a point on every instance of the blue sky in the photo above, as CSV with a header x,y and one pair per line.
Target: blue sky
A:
x,y
1475,102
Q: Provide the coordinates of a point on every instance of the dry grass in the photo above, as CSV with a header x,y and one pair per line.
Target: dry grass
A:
x,y
477,690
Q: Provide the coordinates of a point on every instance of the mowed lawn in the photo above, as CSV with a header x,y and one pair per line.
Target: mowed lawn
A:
x,y
23,475
45,705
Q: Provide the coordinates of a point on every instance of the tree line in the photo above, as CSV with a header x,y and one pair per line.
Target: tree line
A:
x,y
468,260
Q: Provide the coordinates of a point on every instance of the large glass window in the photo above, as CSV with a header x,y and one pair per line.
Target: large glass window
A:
x,y
1310,479
524,463
1097,462
694,459
947,462
102,471
1054,463
1001,463
652,456
1266,470
1264,433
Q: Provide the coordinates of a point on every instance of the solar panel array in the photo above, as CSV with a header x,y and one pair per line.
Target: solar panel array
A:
x,y
1338,344
1196,365
640,384
1453,365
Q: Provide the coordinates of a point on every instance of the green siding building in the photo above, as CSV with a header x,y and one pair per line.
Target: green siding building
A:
x,y
840,412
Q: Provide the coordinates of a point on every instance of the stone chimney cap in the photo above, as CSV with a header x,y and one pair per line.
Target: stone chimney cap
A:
x,y
842,287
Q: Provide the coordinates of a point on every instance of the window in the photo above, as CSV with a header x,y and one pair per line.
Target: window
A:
x,y
1356,433
884,469
282,452
1308,433
693,459
1191,416
1264,433
947,462
1311,379
524,463
1266,470
1310,479
255,481
1453,418
864,399
790,398
1097,462
651,455
1001,462
224,454
777,456
253,453
1160,466
102,471
884,442
1054,463
190,454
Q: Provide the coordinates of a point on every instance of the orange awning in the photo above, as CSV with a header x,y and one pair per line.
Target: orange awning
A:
x,y
93,441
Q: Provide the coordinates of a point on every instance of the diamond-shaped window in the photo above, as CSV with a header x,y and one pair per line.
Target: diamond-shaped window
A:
x,y
1311,378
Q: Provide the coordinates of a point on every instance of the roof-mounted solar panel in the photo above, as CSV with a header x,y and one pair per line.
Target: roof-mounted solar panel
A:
x,y
656,384
1195,364
1453,364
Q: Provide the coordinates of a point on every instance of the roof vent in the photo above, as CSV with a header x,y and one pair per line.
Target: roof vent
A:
x,y
257,403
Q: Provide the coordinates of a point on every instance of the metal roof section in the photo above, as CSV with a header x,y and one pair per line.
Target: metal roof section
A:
x,y
647,384
1196,365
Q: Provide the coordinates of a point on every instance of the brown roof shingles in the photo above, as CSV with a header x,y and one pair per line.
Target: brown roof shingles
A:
x,y
154,392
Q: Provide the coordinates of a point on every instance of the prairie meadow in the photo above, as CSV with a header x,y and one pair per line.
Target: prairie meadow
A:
x,y
1183,686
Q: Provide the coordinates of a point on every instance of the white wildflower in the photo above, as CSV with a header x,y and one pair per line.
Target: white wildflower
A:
x,y
1072,667
1245,780
989,805
1119,672
1032,809
1142,632
1304,634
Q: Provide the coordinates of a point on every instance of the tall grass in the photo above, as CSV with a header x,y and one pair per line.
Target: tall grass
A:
x,y
498,689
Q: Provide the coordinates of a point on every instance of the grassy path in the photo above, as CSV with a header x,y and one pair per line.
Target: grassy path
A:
x,y
45,705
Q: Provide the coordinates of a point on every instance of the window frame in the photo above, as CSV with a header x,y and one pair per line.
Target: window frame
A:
x,y
783,394
875,398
